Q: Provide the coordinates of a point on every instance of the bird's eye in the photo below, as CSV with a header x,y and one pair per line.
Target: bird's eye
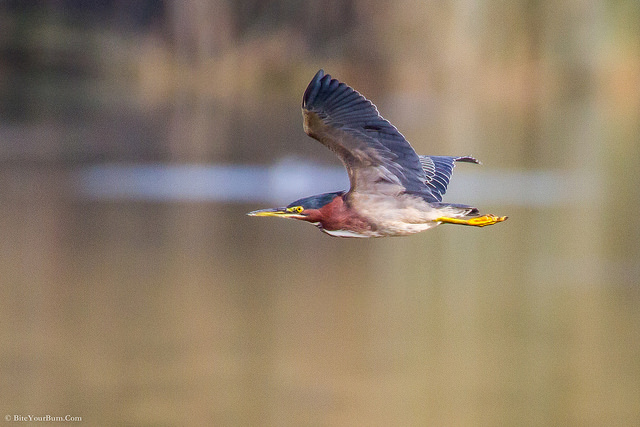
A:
x,y
299,209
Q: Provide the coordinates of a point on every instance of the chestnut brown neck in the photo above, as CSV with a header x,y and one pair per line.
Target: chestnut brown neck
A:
x,y
336,215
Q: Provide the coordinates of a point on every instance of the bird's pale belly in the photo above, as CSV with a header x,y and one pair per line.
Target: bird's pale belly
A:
x,y
390,216
384,230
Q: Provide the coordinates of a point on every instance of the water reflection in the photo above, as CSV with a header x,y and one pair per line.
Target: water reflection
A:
x,y
292,179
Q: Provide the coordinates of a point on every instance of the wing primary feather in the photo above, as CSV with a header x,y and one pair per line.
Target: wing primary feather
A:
x,y
312,90
341,93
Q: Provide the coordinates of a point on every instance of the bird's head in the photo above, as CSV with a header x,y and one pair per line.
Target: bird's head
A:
x,y
308,209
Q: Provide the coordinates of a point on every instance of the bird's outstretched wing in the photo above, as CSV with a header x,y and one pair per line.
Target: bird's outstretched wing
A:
x,y
438,170
377,157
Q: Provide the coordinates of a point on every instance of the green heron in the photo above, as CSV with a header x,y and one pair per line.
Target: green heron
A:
x,y
394,191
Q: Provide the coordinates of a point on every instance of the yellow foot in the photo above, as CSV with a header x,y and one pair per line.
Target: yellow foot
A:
x,y
480,221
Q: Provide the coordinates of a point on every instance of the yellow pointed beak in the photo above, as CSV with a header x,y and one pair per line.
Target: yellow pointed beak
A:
x,y
277,212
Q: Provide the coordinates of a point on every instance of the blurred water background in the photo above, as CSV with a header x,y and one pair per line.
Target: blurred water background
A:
x,y
134,137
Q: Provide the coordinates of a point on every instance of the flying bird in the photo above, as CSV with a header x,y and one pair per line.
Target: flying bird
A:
x,y
394,191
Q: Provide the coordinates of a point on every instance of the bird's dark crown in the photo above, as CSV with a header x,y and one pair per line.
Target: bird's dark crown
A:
x,y
317,201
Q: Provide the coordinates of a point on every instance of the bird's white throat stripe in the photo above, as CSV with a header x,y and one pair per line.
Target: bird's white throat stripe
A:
x,y
345,233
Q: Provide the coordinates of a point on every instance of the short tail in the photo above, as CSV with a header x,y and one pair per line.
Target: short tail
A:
x,y
456,210
438,170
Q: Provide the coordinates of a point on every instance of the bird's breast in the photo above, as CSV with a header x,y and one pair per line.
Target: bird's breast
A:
x,y
394,215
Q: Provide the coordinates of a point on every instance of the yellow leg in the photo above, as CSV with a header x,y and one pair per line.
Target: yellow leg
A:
x,y
480,221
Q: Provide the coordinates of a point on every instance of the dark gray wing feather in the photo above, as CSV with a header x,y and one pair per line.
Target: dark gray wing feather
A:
x,y
438,170
377,157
